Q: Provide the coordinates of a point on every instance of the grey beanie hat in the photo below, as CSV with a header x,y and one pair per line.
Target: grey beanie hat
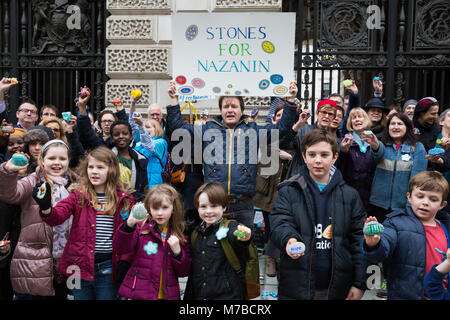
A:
x,y
443,114
408,102
38,133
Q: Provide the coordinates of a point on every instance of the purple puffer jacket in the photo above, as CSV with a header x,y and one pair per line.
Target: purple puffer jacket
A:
x,y
143,278
358,170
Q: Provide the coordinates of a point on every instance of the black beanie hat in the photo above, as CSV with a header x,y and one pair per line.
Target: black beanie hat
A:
x,y
38,133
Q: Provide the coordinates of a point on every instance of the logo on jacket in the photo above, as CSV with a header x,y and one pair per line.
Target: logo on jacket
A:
x,y
151,248
327,233
323,237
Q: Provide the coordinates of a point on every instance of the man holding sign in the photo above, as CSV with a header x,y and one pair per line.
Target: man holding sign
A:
x,y
232,55
230,144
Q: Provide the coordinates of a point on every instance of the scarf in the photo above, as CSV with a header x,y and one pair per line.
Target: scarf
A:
x,y
61,232
361,143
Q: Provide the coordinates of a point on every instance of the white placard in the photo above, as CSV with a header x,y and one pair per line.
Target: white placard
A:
x,y
247,54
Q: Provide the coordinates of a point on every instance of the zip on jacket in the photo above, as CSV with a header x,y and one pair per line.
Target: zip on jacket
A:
x,y
393,175
134,280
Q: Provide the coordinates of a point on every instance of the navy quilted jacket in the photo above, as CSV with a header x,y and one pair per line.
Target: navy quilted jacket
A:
x,y
233,159
403,248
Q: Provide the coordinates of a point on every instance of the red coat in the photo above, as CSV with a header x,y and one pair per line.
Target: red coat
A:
x,y
80,247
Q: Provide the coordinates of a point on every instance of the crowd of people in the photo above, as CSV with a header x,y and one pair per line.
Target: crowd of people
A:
x,y
104,210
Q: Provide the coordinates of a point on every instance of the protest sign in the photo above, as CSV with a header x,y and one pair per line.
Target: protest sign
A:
x,y
236,54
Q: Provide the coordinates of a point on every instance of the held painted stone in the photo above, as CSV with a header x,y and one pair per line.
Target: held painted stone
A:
x,y
297,248
436,151
136,93
8,129
66,116
347,83
373,228
239,234
139,212
84,92
19,160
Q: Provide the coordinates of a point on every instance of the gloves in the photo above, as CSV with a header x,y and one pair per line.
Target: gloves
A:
x,y
42,194
121,271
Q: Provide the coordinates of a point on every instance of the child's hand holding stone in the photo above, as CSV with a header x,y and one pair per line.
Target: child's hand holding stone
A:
x,y
371,241
291,242
138,213
243,233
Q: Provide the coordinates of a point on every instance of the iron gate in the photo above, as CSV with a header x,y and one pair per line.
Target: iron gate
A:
x,y
409,48
53,48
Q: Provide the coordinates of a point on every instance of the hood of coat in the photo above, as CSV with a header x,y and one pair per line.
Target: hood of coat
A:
x,y
303,178
335,179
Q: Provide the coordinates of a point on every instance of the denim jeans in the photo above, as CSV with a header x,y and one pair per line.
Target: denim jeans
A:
x,y
101,288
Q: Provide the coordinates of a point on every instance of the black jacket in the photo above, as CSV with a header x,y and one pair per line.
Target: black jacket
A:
x,y
427,135
297,160
139,181
88,138
293,217
212,277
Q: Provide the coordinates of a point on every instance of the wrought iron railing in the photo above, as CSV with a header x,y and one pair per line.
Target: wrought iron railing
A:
x,y
406,43
53,48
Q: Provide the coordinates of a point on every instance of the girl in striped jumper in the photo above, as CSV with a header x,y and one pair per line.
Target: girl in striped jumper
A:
x,y
99,204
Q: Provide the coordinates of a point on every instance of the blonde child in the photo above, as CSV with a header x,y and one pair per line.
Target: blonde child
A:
x,y
98,205
161,251
149,138
39,245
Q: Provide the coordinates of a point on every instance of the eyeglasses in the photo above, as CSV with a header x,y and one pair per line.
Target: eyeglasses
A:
x,y
28,111
323,113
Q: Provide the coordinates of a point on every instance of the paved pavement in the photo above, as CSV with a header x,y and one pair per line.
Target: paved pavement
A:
x,y
269,285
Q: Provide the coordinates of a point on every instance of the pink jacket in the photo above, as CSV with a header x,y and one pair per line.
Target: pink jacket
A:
x,y
32,262
80,247
143,278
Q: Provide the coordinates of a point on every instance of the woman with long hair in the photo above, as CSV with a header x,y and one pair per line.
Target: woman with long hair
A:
x,y
399,157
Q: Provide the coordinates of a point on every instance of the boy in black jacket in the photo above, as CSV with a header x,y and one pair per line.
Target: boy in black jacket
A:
x,y
212,276
317,208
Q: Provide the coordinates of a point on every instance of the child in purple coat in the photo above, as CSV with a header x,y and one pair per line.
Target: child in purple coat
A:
x,y
161,251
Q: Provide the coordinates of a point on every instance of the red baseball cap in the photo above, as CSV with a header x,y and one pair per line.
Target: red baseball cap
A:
x,y
327,101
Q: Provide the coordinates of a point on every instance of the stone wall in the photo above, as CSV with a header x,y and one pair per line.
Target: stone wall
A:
x,y
139,56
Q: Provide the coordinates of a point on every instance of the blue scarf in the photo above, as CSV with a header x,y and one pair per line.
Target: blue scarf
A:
x,y
361,143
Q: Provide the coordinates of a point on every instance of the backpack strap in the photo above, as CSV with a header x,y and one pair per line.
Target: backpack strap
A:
x,y
226,246
160,160
194,235
228,249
